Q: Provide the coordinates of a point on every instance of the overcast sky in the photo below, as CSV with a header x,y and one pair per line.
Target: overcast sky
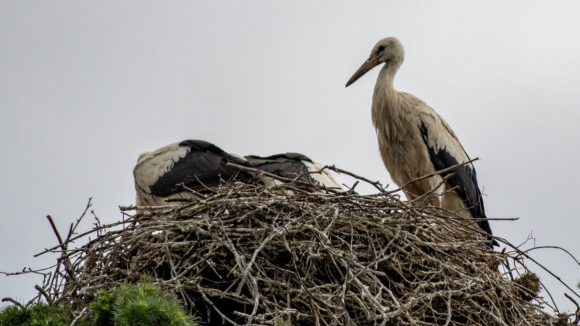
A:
x,y
85,87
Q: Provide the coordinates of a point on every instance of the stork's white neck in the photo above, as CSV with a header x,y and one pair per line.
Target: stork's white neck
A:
x,y
384,86
388,112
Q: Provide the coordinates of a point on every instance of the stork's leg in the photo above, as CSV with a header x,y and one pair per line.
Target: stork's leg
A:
x,y
440,204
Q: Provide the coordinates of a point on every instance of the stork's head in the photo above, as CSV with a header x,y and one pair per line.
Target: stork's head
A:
x,y
388,51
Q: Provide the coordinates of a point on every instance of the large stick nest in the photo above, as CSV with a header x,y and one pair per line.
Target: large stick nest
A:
x,y
246,254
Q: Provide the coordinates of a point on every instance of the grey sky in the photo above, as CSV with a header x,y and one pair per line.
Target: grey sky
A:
x,y
86,87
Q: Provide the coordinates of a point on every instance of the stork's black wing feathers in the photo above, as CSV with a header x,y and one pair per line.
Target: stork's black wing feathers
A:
x,y
287,165
464,179
204,165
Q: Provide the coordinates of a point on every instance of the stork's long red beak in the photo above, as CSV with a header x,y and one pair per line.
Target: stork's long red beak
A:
x,y
368,65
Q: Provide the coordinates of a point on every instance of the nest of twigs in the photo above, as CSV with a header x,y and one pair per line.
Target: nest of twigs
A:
x,y
251,255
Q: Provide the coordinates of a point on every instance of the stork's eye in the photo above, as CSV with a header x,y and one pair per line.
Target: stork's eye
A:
x,y
381,48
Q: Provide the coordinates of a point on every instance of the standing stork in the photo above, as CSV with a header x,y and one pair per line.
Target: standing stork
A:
x,y
415,141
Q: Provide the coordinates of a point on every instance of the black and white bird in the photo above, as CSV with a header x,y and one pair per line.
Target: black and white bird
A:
x,y
198,164
415,141
195,164
292,165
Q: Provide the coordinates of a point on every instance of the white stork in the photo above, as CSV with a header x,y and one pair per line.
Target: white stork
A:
x,y
291,165
415,141
197,164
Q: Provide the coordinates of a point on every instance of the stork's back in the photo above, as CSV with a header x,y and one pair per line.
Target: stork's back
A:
x,y
293,165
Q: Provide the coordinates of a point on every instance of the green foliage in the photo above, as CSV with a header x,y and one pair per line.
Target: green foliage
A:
x,y
144,304
39,314
279,321
103,308
128,305
13,315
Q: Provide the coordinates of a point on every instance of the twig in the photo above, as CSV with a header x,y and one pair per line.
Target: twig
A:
x,y
44,294
541,266
82,313
107,226
63,246
577,313
200,195
442,171
554,247
16,303
55,232
267,174
376,184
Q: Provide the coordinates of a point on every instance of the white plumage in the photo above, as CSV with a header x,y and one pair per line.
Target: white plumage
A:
x,y
291,165
153,165
196,164
325,178
415,141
